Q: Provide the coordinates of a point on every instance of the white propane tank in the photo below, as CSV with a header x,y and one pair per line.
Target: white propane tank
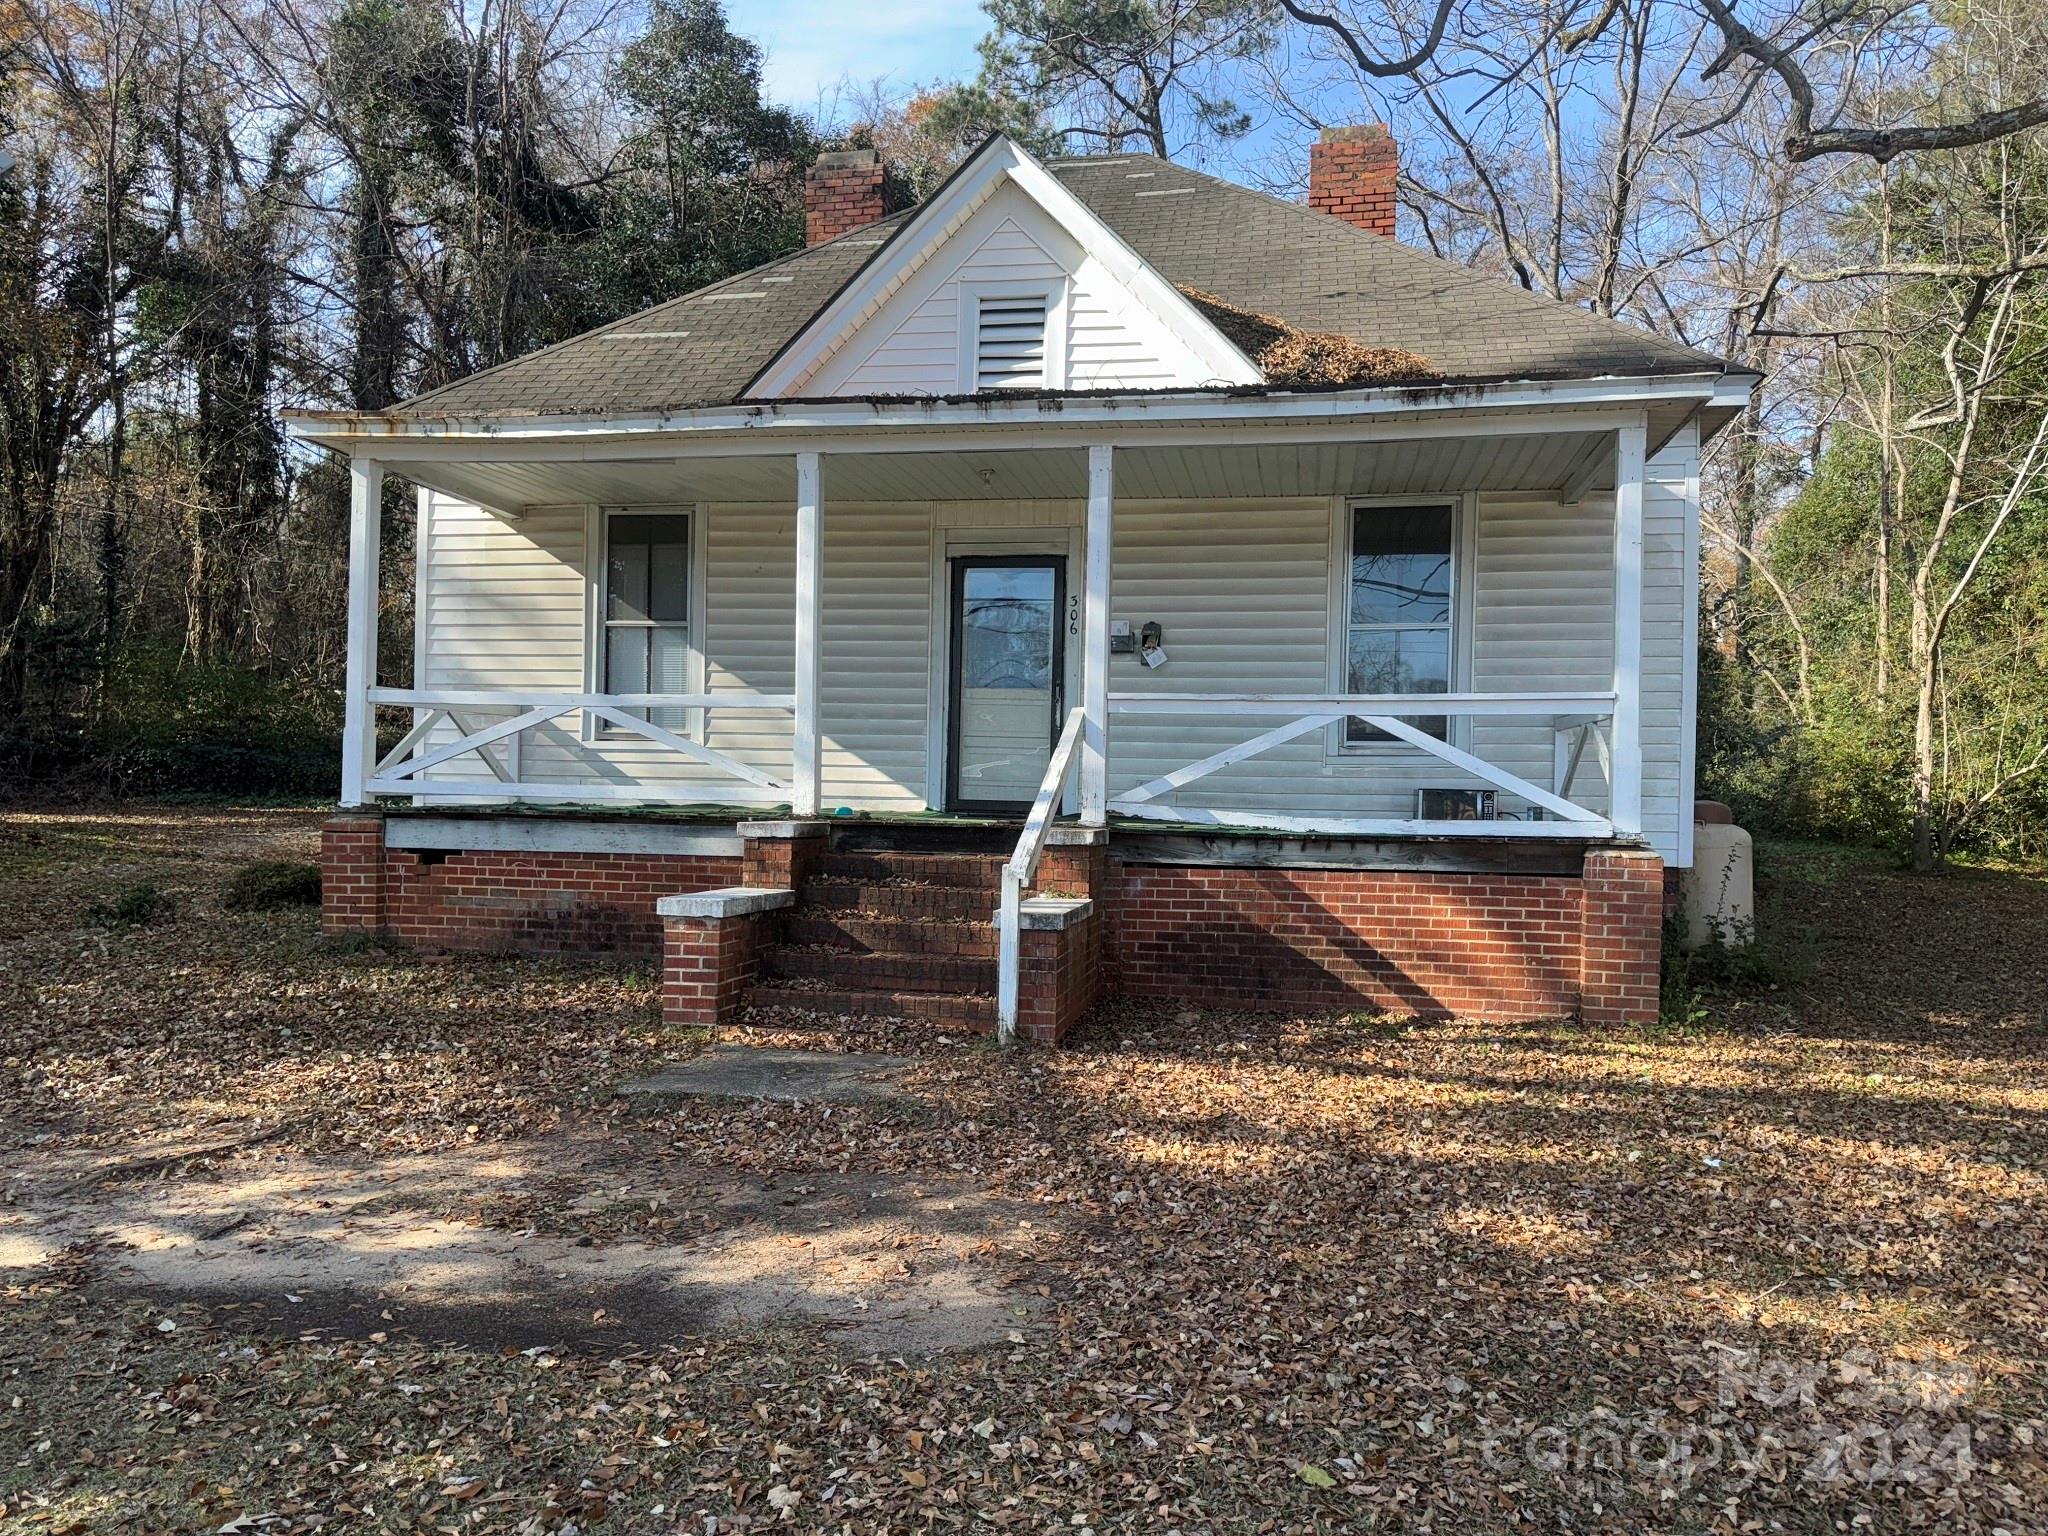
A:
x,y
1718,894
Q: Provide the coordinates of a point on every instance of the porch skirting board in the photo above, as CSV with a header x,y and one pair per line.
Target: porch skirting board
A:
x,y
1498,944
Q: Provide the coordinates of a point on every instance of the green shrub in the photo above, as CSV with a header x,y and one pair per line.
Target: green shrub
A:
x,y
168,726
136,907
1748,964
273,884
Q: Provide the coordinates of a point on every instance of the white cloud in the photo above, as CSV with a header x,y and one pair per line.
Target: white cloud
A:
x,y
812,45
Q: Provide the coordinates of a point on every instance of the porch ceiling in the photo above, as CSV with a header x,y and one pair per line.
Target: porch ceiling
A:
x,y
1527,461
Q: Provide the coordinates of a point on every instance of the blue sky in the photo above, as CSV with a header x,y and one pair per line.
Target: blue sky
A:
x,y
812,45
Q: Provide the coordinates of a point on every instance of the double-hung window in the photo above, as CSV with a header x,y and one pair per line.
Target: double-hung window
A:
x,y
644,632
1400,608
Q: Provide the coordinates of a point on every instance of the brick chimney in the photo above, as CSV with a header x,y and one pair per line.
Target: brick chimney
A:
x,y
1351,174
842,191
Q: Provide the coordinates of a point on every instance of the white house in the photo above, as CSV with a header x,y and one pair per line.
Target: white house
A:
x,y
1326,608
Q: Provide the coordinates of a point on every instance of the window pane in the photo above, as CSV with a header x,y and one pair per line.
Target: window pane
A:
x,y
625,660
1006,628
669,672
626,572
648,574
1401,565
1400,661
669,558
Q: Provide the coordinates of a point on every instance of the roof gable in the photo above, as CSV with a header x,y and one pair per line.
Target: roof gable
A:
x,y
912,289
1167,228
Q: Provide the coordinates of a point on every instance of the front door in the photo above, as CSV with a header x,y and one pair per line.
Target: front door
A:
x,y
1008,670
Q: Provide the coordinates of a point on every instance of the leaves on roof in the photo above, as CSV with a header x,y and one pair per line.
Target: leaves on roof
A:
x,y
1286,354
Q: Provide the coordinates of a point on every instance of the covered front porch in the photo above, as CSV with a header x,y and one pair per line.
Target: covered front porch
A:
x,y
1210,535
1352,623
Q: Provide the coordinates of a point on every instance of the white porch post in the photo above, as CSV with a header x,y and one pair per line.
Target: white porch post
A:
x,y
359,720
1630,451
805,791
1095,639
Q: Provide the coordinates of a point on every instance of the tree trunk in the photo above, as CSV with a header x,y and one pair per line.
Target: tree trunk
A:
x,y
1926,679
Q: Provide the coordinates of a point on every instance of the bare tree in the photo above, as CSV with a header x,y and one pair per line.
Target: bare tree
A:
x,y
1809,59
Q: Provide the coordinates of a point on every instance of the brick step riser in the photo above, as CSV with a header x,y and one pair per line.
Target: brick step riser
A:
x,y
880,973
890,936
948,904
968,872
952,1011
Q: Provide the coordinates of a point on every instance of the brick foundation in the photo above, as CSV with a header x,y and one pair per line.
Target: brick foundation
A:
x,y
1500,946
352,874
1621,936
1073,865
1059,978
491,901
782,858
1491,945
707,965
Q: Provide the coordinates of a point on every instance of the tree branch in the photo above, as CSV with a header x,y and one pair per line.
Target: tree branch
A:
x,y
1379,69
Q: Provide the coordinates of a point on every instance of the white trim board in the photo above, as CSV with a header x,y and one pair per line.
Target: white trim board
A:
x,y
531,834
756,419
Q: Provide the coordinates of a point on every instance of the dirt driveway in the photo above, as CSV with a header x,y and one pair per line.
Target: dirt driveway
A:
x,y
296,1236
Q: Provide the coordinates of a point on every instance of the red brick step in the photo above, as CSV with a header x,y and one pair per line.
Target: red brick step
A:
x,y
862,932
879,973
963,871
964,1011
905,900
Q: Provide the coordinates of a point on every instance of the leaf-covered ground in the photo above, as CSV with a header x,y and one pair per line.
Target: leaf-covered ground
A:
x,y
1777,1269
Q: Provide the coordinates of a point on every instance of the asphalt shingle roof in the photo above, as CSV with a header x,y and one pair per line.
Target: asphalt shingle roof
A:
x,y
1263,253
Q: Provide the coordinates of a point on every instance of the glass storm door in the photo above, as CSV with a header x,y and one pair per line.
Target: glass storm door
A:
x,y
1008,666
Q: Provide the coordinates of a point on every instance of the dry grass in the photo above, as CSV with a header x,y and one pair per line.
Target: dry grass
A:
x,y
1314,1273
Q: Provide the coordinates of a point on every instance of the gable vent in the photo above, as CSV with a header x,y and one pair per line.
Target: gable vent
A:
x,y
1009,343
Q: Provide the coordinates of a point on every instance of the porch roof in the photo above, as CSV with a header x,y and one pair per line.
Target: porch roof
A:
x,y
1529,461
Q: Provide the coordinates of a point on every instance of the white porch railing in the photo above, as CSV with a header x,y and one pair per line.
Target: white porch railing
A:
x,y
1570,715
406,769
1023,866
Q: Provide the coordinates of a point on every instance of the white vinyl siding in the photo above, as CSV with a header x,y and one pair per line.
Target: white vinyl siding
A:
x,y
1243,589
1099,335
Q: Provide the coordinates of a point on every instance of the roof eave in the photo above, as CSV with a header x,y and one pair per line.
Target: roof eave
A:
x,y
1713,390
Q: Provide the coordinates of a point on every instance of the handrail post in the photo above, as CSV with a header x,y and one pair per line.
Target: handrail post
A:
x,y
359,715
1009,918
1022,865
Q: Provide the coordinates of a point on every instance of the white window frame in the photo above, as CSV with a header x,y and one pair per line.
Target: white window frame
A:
x,y
597,572
1464,512
970,294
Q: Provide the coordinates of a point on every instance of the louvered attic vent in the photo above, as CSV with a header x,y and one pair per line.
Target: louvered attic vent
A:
x,y
1009,343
